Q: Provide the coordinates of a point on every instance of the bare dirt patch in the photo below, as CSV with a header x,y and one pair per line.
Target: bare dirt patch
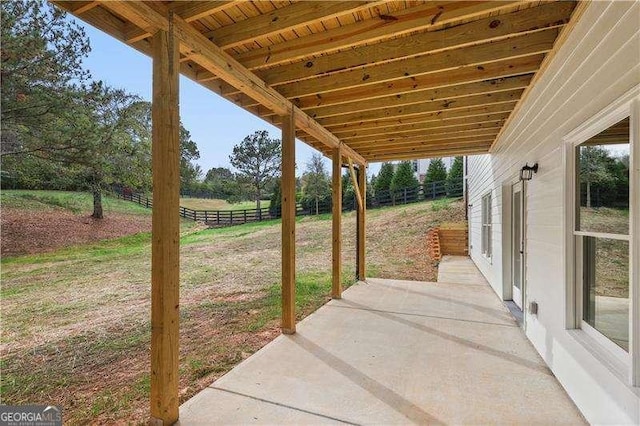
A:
x,y
31,232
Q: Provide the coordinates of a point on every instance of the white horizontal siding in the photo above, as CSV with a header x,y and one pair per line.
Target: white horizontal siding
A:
x,y
597,64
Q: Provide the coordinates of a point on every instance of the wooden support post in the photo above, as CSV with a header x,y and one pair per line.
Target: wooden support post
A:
x,y
288,224
356,186
361,234
336,286
165,246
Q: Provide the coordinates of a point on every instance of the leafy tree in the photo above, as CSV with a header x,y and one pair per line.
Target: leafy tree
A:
x,y
383,181
189,172
404,180
316,186
257,158
595,170
40,66
436,172
275,207
455,177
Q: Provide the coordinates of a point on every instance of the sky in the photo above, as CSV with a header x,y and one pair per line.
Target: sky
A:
x,y
216,124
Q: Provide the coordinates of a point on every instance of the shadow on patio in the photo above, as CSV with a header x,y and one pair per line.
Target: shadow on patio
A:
x,y
394,352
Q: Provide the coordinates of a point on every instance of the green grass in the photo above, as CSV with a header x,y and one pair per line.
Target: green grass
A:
x,y
216,204
76,202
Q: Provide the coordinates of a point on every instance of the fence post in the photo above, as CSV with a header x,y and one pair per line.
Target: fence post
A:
x,y
206,216
245,215
231,217
218,217
405,195
433,190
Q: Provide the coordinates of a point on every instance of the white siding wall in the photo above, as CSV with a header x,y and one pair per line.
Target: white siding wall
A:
x,y
597,64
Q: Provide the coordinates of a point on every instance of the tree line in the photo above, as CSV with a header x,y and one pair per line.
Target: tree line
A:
x,y
61,129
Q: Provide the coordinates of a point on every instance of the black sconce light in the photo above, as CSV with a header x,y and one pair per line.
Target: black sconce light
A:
x,y
526,173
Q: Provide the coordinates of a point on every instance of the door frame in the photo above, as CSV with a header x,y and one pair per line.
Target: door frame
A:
x,y
507,211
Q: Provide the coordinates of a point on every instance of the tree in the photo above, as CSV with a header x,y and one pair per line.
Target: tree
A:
x,y
383,181
316,186
436,172
455,178
595,169
405,181
189,172
258,159
275,206
40,66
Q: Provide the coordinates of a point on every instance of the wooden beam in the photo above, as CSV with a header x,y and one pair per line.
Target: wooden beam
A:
x,y
432,15
450,152
83,6
211,57
288,183
361,234
462,75
551,15
436,117
189,11
336,225
450,60
418,144
282,19
440,125
399,140
421,96
426,107
356,188
405,133
165,246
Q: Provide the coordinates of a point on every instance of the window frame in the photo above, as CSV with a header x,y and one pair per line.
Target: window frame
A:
x,y
624,364
486,220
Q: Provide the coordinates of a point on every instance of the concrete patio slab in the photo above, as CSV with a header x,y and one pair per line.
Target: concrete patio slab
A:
x,y
393,352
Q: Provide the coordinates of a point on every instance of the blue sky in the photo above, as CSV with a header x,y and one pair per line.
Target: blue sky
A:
x,y
216,124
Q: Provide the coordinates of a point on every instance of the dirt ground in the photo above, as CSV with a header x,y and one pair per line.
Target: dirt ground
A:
x,y
28,232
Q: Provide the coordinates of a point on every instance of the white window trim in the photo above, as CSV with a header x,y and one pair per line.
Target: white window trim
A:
x,y
624,364
486,246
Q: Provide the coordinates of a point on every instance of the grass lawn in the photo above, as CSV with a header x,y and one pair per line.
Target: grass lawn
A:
x,y
76,326
213,204
76,202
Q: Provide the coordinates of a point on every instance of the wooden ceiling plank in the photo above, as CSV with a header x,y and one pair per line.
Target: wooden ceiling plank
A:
x,y
423,141
427,107
467,74
430,117
282,19
549,15
429,153
431,15
480,121
452,131
421,96
513,48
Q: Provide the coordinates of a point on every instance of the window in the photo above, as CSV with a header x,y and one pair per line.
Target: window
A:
x,y
602,234
486,225
415,165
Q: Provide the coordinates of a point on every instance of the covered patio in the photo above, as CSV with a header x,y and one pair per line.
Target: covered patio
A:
x,y
394,352
361,81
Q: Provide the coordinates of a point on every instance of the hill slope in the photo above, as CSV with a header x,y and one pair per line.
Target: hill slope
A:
x,y
76,326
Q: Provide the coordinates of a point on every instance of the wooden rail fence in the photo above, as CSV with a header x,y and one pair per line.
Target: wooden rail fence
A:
x,y
218,218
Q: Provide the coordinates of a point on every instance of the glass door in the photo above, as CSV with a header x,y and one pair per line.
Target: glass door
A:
x,y
517,244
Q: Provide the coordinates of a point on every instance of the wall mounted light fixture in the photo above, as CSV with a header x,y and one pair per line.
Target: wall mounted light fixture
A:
x,y
526,173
